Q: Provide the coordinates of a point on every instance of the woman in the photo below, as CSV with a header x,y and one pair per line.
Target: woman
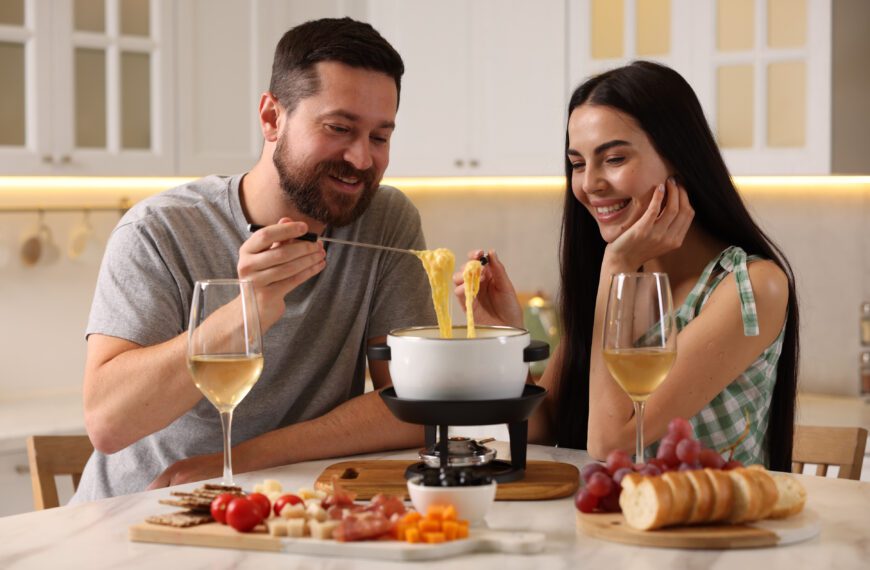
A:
x,y
647,190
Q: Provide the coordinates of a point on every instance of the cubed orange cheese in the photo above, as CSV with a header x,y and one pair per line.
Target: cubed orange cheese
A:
x,y
449,513
433,537
429,525
450,529
435,512
412,535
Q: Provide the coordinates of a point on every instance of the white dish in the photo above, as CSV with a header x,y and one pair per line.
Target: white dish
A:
x,y
472,502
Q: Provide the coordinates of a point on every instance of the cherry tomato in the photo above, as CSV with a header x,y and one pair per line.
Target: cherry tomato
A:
x,y
283,500
263,504
243,514
219,507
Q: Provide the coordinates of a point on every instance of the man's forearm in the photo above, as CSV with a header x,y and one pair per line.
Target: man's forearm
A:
x,y
135,393
361,425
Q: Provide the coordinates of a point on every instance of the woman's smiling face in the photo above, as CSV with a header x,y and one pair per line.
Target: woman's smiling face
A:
x,y
615,167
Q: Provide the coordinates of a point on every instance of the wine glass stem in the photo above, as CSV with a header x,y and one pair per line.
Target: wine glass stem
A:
x,y
227,424
638,416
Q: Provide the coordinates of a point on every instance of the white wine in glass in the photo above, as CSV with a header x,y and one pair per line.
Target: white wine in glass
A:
x,y
224,349
640,338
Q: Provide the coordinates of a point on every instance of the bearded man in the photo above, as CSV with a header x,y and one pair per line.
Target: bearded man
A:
x,y
326,122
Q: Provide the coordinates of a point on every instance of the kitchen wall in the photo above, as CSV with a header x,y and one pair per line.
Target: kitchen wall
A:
x,y
820,225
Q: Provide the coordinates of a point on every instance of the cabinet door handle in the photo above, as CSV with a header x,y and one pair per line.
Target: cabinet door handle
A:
x,y
47,158
22,469
473,163
459,163
65,159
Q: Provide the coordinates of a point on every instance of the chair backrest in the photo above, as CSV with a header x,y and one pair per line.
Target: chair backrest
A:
x,y
827,446
50,455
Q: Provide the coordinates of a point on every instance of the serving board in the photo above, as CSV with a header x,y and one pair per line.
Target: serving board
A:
x,y
543,480
769,532
222,536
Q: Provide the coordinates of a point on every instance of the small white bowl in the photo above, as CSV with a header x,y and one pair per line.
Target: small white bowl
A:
x,y
472,502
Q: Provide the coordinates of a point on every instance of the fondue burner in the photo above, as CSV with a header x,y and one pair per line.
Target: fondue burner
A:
x,y
438,415
461,452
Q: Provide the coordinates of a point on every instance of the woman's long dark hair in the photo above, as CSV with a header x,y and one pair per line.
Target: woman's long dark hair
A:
x,y
666,108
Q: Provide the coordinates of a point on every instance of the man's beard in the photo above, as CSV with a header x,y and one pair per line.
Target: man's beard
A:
x,y
303,186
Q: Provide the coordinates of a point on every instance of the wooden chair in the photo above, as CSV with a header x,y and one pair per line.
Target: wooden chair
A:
x,y
50,455
827,446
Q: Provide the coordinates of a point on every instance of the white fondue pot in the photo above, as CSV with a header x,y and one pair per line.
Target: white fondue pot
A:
x,y
492,366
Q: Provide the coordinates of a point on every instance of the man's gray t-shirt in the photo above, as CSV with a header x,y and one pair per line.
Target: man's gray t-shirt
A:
x,y
314,355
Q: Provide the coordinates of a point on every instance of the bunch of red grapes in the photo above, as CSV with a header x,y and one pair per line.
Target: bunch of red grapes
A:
x,y
678,451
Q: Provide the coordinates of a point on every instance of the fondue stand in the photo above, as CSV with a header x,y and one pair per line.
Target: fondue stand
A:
x,y
462,452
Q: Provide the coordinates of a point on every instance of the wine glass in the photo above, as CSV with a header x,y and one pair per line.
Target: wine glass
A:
x,y
224,348
640,338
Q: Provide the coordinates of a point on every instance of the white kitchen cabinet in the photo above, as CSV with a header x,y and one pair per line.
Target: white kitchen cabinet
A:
x,y
15,488
225,51
484,90
762,70
88,87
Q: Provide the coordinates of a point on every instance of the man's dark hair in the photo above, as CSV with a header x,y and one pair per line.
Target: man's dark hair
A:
x,y
668,111
343,40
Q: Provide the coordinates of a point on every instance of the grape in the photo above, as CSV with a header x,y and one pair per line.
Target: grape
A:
x,y
680,428
667,453
620,473
599,484
709,458
733,464
585,501
658,463
650,470
617,459
689,466
590,469
688,450
610,503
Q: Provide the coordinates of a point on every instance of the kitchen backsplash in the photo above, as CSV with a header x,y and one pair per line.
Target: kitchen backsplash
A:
x,y
819,224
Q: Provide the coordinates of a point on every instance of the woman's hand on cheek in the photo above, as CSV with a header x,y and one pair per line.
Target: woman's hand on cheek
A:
x,y
660,230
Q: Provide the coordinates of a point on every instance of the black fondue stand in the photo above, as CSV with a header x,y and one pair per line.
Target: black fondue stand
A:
x,y
438,415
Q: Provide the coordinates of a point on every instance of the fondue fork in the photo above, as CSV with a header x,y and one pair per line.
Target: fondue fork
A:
x,y
312,237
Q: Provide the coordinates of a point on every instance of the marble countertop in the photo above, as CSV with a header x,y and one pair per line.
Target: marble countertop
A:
x,y
94,535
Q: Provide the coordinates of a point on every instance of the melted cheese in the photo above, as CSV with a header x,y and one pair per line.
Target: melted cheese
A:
x,y
471,277
439,264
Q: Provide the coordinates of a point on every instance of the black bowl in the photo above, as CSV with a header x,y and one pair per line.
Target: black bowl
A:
x,y
465,412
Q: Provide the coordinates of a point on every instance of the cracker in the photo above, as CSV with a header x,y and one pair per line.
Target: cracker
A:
x,y
180,519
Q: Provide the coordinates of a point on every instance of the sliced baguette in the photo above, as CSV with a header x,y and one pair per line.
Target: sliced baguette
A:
x,y
769,491
791,496
683,495
723,494
646,502
703,488
748,496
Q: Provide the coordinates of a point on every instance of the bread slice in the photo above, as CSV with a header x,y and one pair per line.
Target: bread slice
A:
x,y
748,496
703,488
768,489
646,502
683,495
791,496
723,494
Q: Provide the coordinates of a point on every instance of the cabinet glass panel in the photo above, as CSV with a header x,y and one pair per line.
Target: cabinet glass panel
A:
x,y
735,25
135,18
12,12
608,17
135,100
90,98
12,94
786,23
734,105
89,16
786,104
653,27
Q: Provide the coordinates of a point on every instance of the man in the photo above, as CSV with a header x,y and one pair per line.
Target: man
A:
x,y
327,121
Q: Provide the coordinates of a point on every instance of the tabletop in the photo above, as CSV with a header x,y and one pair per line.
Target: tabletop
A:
x,y
94,535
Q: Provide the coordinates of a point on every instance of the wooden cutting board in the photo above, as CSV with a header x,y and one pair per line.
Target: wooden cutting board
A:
x,y
770,532
221,536
543,480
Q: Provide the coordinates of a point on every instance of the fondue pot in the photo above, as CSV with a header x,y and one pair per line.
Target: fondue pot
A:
x,y
492,366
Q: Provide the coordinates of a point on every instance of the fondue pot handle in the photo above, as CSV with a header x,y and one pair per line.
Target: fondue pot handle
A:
x,y
378,352
537,350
